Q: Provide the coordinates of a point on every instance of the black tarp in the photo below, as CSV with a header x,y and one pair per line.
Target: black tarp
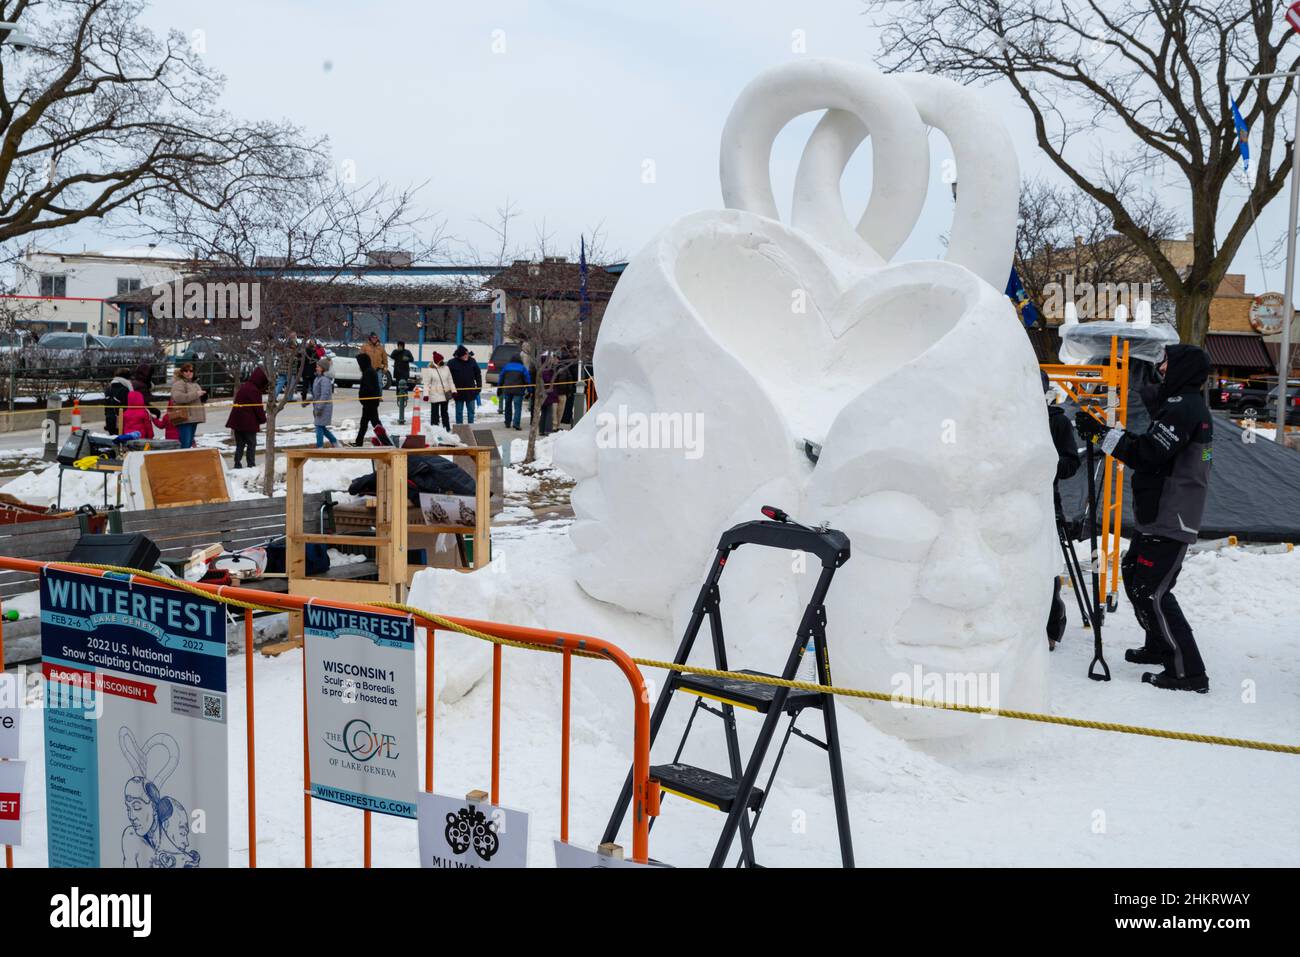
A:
x,y
1254,485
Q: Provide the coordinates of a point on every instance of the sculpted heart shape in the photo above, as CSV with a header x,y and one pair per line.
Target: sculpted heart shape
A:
x,y
910,376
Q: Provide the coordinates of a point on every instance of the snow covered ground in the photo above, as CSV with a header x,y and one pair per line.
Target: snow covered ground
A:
x,y
1013,794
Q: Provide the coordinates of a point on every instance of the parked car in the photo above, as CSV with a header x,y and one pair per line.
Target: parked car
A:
x,y
502,355
83,355
1244,399
1292,403
344,369
216,368
13,345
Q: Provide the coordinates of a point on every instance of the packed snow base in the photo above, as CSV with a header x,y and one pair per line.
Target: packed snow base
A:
x,y
1011,793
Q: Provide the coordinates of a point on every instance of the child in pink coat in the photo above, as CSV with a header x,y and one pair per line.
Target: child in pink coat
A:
x,y
136,417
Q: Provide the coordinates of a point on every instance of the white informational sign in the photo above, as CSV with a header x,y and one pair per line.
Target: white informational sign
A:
x,y
570,855
11,802
457,832
10,715
361,709
135,724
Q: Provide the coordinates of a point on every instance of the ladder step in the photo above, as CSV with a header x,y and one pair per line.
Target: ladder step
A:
x,y
747,694
702,786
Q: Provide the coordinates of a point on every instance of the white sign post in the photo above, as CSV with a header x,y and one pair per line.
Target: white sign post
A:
x,y
471,833
361,709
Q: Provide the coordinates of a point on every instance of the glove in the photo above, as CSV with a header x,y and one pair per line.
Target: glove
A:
x,y
1089,428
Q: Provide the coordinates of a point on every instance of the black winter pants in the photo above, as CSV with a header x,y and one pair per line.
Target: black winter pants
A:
x,y
245,443
1150,569
369,417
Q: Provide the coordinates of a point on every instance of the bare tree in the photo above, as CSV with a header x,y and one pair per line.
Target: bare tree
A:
x,y
98,116
1062,231
1117,86
298,249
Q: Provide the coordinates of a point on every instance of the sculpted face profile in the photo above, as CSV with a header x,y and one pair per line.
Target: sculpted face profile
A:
x,y
915,379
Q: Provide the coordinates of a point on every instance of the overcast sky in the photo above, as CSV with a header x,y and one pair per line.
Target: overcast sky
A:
x,y
563,120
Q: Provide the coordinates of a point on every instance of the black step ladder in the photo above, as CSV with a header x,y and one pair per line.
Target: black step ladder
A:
x,y
735,793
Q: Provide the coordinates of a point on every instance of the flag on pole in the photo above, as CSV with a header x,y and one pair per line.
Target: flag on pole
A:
x,y
584,304
1243,135
1027,311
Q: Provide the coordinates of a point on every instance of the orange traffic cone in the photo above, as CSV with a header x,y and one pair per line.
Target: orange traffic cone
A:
x,y
416,439
76,415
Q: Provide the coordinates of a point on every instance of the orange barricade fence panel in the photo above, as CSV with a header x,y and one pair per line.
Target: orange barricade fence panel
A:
x,y
564,644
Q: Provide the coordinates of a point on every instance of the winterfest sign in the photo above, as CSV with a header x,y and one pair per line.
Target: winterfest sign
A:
x,y
135,724
361,709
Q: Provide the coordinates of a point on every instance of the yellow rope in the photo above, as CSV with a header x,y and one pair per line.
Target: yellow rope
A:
x,y
449,625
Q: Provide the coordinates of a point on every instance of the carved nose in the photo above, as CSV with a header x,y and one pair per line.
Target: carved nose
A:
x,y
575,450
960,571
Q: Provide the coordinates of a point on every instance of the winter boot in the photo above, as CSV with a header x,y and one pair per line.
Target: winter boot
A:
x,y
1143,656
1171,682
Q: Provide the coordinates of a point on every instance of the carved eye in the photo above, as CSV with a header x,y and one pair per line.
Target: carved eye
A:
x,y
1010,521
893,525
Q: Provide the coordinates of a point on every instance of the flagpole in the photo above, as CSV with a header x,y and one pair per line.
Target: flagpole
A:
x,y
1284,354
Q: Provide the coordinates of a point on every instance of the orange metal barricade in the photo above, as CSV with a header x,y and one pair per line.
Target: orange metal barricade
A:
x,y
565,643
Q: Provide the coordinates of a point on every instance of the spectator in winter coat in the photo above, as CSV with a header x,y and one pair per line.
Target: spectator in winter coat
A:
x,y
187,396
1170,466
369,393
142,382
402,359
568,385
438,389
137,417
1067,463
552,397
115,400
469,381
247,415
310,353
512,386
322,406
373,348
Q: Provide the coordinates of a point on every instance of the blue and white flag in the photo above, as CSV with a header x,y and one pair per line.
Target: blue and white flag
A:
x,y
1243,136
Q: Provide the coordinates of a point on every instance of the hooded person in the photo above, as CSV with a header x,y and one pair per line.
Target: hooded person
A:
x,y
247,415
465,373
1067,463
115,399
1170,463
369,393
137,417
142,382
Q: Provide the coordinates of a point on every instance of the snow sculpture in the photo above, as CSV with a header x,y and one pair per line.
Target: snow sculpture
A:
x,y
753,336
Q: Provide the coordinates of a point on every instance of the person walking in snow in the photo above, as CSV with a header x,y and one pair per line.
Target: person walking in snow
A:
x,y
369,393
247,415
512,387
402,358
322,404
1067,463
1170,463
469,382
439,387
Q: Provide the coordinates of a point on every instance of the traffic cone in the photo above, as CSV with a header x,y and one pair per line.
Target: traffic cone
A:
x,y
416,439
76,415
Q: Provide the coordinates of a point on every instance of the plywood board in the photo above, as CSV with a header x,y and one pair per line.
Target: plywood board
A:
x,y
187,477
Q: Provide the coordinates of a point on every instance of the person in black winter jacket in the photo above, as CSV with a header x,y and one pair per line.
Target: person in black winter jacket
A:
x,y
1067,463
115,399
1170,463
369,393
402,358
465,373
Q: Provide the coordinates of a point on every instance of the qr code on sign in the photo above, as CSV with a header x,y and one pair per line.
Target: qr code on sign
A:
x,y
213,707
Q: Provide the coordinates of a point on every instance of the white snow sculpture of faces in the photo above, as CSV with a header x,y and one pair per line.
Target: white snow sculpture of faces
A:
x,y
731,338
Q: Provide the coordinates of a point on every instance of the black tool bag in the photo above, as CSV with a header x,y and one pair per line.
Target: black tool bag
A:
x,y
128,551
